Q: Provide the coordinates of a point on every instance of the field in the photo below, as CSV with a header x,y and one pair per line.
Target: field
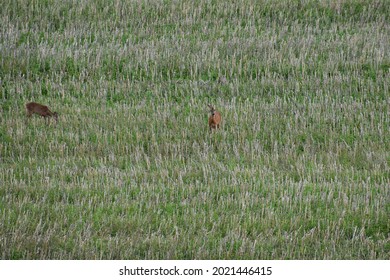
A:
x,y
298,170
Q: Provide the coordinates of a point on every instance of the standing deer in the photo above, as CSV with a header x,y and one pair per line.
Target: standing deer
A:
x,y
42,110
214,119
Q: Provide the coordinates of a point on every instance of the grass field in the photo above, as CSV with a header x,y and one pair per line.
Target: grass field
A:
x,y
299,169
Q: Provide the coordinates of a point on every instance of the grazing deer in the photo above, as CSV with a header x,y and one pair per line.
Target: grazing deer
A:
x,y
42,110
214,119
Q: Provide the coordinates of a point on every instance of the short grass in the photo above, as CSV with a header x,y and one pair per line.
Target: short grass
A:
x,y
299,170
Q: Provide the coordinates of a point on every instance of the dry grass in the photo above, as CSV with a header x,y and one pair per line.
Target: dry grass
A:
x,y
299,170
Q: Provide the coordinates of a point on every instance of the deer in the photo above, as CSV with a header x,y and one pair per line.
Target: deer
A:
x,y
39,109
214,119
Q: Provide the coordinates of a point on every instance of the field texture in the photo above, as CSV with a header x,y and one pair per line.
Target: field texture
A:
x,y
299,169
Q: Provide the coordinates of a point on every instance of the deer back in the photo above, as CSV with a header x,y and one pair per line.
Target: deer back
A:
x,y
39,109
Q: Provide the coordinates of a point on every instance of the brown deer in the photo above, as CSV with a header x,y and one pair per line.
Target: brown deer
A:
x,y
39,109
214,119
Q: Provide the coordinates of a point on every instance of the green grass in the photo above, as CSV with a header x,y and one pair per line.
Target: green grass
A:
x,y
299,169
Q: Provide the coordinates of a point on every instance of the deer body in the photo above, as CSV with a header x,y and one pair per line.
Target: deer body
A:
x,y
39,109
214,119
